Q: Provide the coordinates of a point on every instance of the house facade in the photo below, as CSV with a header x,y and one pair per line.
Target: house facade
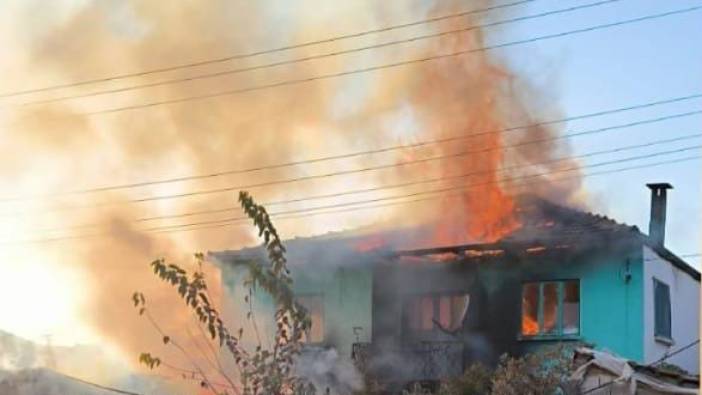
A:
x,y
564,276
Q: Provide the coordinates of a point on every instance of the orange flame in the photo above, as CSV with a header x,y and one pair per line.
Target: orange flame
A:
x,y
529,326
369,244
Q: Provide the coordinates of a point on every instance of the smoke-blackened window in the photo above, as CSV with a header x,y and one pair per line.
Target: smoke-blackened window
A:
x,y
551,308
315,308
571,307
530,309
436,311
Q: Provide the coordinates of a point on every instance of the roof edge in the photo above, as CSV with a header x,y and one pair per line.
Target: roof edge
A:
x,y
670,257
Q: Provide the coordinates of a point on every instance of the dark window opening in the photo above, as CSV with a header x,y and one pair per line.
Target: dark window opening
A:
x,y
428,312
551,308
661,306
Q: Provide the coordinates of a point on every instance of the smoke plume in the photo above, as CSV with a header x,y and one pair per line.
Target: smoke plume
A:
x,y
59,146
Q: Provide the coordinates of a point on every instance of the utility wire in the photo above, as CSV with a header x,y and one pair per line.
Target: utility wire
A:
x,y
410,162
373,168
461,187
681,138
280,215
678,351
105,204
665,357
400,185
392,65
100,386
357,153
412,201
265,51
317,56
429,180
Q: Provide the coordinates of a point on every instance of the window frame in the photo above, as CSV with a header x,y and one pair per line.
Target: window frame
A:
x,y
322,316
559,310
435,298
658,336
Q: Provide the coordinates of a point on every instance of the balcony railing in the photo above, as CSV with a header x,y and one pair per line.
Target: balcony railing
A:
x,y
412,362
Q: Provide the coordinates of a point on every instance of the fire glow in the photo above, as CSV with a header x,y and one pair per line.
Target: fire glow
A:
x,y
470,96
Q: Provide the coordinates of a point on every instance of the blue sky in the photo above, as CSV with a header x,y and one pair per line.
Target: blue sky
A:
x,y
618,67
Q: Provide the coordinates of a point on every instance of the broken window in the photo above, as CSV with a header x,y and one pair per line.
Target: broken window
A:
x,y
427,312
530,309
551,308
315,309
661,307
571,308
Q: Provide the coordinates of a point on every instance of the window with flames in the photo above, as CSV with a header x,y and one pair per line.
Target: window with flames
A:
x,y
425,313
551,308
315,308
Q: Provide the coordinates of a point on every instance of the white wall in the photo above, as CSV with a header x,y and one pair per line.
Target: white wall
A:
x,y
685,312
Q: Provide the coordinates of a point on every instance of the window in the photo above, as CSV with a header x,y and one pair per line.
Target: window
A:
x,y
315,308
551,308
661,307
426,312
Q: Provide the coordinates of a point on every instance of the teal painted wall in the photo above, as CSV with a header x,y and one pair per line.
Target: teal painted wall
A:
x,y
611,307
611,296
347,301
345,291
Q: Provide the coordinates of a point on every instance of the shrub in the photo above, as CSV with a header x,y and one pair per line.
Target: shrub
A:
x,y
475,380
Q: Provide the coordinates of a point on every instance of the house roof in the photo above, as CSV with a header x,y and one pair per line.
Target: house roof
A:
x,y
544,223
659,380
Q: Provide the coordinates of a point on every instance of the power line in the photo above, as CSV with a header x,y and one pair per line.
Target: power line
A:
x,y
413,161
307,213
460,187
384,187
678,351
392,65
665,357
429,180
379,167
265,51
357,153
317,56
279,216
404,184
100,386
370,168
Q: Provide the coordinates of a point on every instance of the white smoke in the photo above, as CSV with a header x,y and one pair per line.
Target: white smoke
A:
x,y
329,373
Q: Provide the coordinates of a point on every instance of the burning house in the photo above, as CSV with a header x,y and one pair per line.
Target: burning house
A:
x,y
563,275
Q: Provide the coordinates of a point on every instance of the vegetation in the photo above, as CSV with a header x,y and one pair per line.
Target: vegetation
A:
x,y
543,372
475,380
259,370
270,371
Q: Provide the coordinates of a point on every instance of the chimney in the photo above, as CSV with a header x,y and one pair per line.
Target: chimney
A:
x,y
656,226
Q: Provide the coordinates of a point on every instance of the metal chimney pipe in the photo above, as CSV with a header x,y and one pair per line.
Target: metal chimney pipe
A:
x,y
656,225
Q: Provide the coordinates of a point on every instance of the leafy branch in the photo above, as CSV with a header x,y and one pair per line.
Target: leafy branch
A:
x,y
260,370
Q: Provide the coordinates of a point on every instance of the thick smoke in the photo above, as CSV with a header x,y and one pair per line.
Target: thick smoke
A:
x,y
329,372
58,147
